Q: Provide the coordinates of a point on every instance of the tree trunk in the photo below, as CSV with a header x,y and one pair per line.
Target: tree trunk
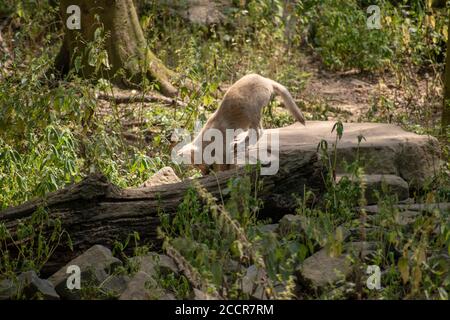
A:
x,y
95,211
129,57
446,105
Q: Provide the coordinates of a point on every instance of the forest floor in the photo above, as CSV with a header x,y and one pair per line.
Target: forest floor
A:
x,y
353,94
349,96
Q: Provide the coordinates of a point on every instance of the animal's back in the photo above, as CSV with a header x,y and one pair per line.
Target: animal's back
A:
x,y
244,100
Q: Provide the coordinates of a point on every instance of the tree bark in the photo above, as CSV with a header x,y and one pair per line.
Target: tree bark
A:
x,y
95,211
129,56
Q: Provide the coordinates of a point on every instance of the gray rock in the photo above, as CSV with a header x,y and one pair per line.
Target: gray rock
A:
x,y
406,214
407,217
362,249
33,285
204,12
233,266
95,265
200,295
143,285
252,282
27,285
322,269
8,289
375,182
115,284
154,263
164,176
388,149
301,226
291,223
266,228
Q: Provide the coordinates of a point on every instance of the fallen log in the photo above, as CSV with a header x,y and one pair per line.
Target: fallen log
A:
x,y
95,211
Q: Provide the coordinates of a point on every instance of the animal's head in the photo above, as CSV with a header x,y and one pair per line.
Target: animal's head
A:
x,y
186,153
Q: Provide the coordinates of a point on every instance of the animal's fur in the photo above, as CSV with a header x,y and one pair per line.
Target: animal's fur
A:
x,y
241,108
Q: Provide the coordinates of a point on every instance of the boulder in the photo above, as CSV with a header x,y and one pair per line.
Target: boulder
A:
x,y
291,223
267,228
200,295
115,285
164,176
415,207
153,263
95,265
143,285
302,226
203,12
386,150
8,289
252,283
138,288
381,183
323,269
405,215
29,286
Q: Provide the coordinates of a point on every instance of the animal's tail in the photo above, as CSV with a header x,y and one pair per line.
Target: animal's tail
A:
x,y
288,101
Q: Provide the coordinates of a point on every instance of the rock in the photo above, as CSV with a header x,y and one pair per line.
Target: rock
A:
x,y
33,286
115,285
375,182
303,226
291,223
266,228
95,264
407,213
231,265
321,269
200,295
154,263
361,249
407,217
27,285
143,285
138,288
204,12
252,282
8,290
387,148
164,176
260,293
343,292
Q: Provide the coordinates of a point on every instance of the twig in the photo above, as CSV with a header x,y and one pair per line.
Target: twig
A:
x,y
124,99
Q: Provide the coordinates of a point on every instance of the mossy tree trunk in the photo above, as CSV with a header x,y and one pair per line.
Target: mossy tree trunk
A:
x,y
129,57
446,106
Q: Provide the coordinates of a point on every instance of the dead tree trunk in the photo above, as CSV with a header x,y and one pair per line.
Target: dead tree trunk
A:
x,y
130,58
95,211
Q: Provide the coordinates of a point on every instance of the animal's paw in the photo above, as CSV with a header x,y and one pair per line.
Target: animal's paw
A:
x,y
239,141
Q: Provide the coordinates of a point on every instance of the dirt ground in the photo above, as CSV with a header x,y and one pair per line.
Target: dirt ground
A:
x,y
354,94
